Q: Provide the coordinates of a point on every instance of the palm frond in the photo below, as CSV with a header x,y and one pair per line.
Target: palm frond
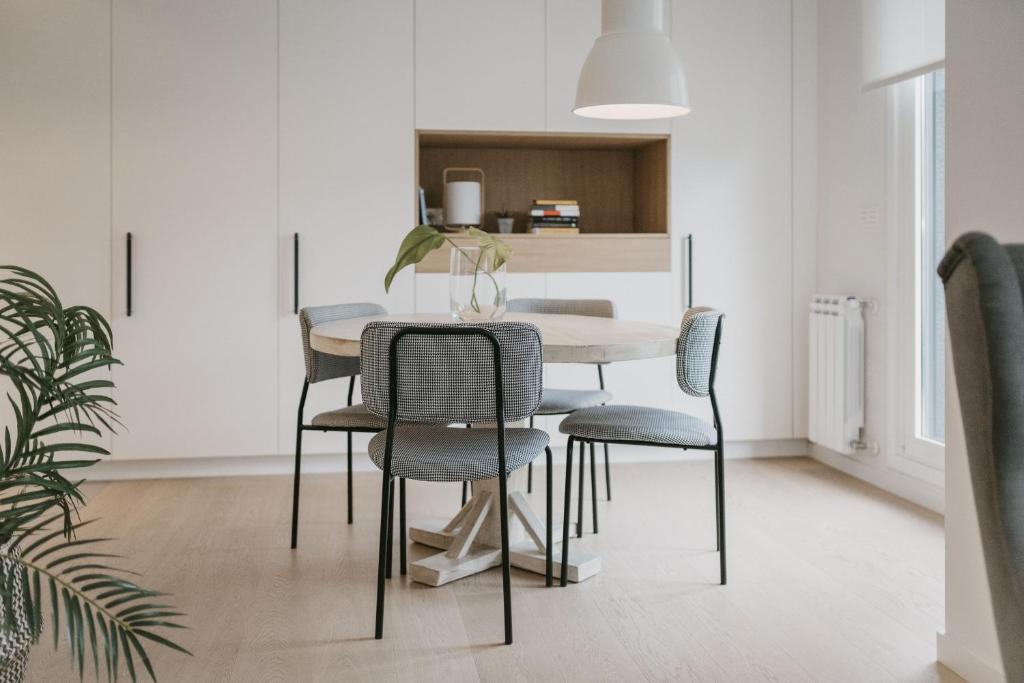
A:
x,y
54,358
92,604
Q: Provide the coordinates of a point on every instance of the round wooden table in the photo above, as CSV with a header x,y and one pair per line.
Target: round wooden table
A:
x,y
472,538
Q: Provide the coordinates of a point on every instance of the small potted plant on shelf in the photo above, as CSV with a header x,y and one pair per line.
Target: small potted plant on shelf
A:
x,y
476,274
505,221
53,362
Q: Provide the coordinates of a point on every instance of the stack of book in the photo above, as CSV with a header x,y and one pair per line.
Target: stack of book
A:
x,y
555,217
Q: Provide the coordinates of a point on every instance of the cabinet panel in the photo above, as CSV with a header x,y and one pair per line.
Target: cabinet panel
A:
x,y
347,175
194,180
480,64
572,26
55,164
732,188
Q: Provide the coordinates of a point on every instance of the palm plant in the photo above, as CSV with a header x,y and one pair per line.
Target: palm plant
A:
x,y
52,360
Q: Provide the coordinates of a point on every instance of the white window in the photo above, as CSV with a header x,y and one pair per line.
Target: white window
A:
x,y
931,242
919,169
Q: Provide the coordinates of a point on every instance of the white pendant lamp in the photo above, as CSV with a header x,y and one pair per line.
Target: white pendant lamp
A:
x,y
632,72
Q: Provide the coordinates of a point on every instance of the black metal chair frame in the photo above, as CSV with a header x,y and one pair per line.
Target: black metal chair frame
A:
x,y
300,428
718,449
593,471
388,487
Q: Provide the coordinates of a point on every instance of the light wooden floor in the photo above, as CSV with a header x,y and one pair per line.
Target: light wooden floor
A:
x,y
830,580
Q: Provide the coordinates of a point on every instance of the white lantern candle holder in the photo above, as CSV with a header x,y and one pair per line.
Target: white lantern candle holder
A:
x,y
463,199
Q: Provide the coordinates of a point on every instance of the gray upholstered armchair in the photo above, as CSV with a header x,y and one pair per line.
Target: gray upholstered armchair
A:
x,y
985,306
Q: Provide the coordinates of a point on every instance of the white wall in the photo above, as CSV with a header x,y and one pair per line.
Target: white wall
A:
x,y
335,148
984,148
855,239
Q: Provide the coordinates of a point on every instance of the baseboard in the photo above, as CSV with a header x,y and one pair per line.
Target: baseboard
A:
x,y
248,465
954,655
895,482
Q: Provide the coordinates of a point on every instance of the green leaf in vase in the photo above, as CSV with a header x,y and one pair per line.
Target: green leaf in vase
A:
x,y
500,251
420,241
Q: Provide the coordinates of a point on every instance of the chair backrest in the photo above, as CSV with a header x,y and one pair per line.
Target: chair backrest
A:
x,y
985,308
697,350
444,378
323,366
595,308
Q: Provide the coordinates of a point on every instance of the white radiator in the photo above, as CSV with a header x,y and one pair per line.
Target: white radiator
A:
x,y
836,379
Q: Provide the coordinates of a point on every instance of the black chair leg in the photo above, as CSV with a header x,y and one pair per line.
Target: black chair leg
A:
x,y
564,570
391,526
579,502
720,459
349,483
506,569
401,527
718,506
549,537
295,488
529,468
593,485
382,555
607,473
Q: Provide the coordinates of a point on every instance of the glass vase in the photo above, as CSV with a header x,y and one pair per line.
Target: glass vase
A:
x,y
476,287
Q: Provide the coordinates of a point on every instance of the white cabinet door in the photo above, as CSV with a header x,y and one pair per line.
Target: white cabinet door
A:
x,y
732,188
480,64
195,182
55,146
55,150
572,26
347,176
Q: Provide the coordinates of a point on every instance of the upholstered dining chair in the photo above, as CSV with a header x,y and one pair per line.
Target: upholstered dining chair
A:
x,y
565,401
321,367
438,374
984,284
696,365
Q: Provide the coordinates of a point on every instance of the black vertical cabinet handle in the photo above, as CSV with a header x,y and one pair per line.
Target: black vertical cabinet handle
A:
x,y
295,290
128,274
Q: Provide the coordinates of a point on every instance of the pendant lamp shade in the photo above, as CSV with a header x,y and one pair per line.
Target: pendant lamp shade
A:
x,y
632,72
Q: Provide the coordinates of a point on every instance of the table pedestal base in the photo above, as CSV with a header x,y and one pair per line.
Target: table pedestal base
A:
x,y
472,540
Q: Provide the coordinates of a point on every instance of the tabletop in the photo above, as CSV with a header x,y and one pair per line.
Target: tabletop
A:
x,y
566,338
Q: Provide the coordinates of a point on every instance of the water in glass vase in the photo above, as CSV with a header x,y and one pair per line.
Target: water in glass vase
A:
x,y
476,287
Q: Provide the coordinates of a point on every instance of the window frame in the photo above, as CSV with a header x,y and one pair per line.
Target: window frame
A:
x,y
911,453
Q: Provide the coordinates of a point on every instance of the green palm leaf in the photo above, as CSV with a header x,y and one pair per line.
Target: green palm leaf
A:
x,y
56,359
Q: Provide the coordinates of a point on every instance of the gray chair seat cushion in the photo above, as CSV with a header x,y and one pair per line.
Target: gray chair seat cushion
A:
x,y
350,417
561,401
436,453
639,424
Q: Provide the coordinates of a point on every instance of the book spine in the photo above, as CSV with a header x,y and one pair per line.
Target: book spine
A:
x,y
556,213
556,207
556,219
555,201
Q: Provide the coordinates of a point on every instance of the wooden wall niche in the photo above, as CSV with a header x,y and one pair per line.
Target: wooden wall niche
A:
x,y
620,181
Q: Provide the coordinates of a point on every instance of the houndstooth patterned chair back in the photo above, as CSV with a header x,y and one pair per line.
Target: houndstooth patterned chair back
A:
x,y
595,308
324,366
450,378
695,350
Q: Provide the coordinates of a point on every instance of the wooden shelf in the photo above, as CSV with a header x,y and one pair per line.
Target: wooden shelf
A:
x,y
620,181
594,253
